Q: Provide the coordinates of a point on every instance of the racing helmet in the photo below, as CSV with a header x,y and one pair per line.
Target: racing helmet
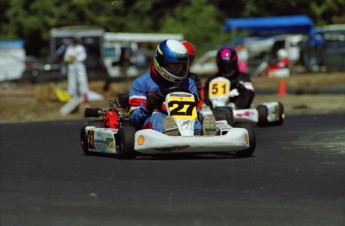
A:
x,y
190,49
226,59
171,61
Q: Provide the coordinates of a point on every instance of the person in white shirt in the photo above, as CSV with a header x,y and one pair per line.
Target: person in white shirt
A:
x,y
75,56
242,54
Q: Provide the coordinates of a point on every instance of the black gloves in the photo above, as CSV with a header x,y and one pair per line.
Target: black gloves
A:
x,y
240,87
154,101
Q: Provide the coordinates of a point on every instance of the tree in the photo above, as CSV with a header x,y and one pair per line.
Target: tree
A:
x,y
197,20
200,21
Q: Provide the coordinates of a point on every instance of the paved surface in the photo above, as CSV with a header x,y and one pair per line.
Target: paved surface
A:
x,y
296,177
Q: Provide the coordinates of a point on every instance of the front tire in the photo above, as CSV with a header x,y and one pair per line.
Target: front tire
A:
x,y
252,141
224,113
263,115
125,142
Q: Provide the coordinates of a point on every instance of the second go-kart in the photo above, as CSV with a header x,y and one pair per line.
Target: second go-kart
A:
x,y
115,135
265,114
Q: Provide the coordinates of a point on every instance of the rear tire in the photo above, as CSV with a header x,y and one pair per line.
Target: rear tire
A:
x,y
263,115
93,112
281,114
252,141
224,113
125,142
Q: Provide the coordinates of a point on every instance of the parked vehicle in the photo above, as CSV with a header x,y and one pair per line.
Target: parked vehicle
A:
x,y
206,64
109,54
12,60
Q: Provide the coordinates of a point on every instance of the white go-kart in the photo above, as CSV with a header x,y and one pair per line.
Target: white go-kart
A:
x,y
127,142
265,114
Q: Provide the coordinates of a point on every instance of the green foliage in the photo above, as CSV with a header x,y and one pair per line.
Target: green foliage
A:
x,y
200,21
264,8
138,20
330,11
197,20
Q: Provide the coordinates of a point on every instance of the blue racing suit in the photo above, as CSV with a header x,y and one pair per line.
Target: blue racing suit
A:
x,y
145,85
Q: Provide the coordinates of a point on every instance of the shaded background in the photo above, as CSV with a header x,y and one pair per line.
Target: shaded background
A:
x,y
200,21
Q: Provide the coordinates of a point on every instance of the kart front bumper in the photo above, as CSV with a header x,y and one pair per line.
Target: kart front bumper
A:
x,y
149,141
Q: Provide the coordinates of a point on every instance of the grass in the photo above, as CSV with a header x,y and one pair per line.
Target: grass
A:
x,y
28,102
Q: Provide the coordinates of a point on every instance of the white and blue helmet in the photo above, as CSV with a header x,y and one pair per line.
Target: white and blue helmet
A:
x,y
171,60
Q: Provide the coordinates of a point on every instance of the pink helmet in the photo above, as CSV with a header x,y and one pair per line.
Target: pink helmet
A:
x,y
227,61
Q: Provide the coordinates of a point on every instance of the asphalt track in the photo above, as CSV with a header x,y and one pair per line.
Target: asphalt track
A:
x,y
296,177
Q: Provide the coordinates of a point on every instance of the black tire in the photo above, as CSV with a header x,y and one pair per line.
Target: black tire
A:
x,y
263,115
83,139
281,114
125,142
252,141
224,113
93,112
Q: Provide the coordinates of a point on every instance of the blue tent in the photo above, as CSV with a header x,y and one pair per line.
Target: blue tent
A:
x,y
266,26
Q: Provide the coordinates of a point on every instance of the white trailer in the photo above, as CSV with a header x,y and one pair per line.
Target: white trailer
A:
x,y
105,49
12,60
116,43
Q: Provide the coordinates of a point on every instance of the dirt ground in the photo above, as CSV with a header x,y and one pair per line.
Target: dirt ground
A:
x,y
27,102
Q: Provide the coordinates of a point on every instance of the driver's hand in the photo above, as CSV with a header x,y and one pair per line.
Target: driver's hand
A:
x,y
240,86
154,101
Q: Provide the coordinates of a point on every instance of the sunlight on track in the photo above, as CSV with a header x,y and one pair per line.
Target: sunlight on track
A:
x,y
322,142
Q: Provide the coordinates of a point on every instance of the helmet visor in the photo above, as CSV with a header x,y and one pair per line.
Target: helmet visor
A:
x,y
178,69
227,67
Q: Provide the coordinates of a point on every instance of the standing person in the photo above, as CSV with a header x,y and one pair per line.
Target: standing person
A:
x,y
75,56
140,58
191,56
125,61
242,54
241,87
280,63
169,69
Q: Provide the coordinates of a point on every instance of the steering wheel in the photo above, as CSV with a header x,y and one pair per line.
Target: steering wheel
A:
x,y
175,89
179,89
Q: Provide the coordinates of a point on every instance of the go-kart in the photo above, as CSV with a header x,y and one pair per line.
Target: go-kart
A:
x,y
265,114
116,135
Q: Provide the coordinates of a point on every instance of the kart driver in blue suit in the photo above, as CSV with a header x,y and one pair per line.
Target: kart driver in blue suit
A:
x,y
169,69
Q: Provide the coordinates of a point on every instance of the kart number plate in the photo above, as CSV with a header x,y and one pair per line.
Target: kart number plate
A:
x,y
182,106
219,88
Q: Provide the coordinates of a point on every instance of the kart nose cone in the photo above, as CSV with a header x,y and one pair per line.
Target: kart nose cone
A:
x,y
141,140
246,139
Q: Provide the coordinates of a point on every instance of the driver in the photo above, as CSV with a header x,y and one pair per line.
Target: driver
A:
x,y
169,69
241,87
191,55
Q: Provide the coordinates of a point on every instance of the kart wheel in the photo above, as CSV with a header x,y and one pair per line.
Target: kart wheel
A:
x,y
93,112
263,115
252,141
83,139
281,114
125,142
224,113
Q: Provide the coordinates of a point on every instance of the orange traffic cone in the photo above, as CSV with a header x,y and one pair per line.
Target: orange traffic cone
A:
x,y
282,88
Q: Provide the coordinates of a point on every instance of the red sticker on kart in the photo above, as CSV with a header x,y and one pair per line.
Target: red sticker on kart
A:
x,y
247,114
182,106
